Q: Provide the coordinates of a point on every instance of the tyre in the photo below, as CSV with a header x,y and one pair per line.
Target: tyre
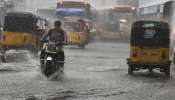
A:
x,y
61,67
150,69
3,59
130,70
82,46
167,71
48,69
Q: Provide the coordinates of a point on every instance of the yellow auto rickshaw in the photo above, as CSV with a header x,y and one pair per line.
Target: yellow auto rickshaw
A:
x,y
77,31
19,32
149,47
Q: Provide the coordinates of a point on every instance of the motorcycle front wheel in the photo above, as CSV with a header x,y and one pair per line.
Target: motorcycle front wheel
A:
x,y
49,69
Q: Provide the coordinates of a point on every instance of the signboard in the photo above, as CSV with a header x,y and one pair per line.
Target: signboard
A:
x,y
149,34
70,12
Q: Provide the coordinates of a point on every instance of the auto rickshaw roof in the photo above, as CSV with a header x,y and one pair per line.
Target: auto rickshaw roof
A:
x,y
22,14
149,24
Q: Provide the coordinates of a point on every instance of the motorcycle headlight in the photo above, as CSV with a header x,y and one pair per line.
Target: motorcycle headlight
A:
x,y
49,58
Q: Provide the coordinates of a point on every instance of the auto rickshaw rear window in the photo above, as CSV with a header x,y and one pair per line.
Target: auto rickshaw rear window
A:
x,y
17,23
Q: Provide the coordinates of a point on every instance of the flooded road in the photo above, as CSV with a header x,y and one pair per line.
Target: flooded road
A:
x,y
98,72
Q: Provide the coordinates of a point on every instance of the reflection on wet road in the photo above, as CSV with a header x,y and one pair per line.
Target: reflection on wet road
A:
x,y
98,72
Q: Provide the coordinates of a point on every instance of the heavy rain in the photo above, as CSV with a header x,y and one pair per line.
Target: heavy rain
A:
x,y
87,49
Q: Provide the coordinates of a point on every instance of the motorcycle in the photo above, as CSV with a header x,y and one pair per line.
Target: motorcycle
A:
x,y
52,58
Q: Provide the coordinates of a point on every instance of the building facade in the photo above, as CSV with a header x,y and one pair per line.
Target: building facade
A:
x,y
33,5
99,4
109,3
5,6
147,3
154,10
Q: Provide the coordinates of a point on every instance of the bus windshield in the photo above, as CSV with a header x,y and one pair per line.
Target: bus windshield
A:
x,y
70,12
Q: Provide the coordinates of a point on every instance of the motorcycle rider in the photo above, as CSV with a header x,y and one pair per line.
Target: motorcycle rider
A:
x,y
57,35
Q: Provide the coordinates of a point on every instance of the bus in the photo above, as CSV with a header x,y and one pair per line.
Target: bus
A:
x,y
116,21
75,9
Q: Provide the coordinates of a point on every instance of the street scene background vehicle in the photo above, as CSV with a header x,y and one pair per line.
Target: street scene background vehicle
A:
x,y
21,30
77,31
116,22
149,47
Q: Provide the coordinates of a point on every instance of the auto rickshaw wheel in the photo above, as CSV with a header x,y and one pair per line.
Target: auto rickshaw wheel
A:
x,y
167,71
150,69
3,58
82,46
130,70
3,55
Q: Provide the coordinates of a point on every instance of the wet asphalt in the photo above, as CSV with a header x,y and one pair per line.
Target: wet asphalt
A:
x,y
98,72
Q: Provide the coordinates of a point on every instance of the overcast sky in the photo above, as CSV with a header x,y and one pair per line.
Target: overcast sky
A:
x,y
52,3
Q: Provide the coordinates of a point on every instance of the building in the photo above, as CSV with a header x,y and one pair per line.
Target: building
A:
x,y
5,6
154,10
33,5
146,3
2,13
45,4
134,3
20,5
110,3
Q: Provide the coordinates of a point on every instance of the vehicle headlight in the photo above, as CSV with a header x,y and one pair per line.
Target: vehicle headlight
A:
x,y
49,58
123,21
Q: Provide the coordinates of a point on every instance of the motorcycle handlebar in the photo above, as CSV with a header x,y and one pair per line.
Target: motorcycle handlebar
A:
x,y
61,43
58,43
